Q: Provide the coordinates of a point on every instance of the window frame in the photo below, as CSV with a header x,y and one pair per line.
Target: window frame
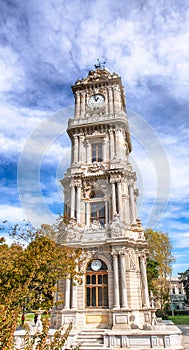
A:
x,y
97,198
94,289
97,153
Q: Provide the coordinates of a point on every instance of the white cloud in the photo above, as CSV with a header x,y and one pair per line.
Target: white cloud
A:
x,y
11,68
11,213
49,45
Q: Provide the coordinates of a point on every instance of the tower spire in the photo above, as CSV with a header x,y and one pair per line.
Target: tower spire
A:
x,y
100,65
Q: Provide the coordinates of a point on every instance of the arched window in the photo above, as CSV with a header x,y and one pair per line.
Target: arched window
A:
x,y
96,152
97,207
97,285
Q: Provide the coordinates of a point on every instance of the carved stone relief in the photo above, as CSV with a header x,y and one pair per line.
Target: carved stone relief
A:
x,y
132,259
74,231
96,167
117,227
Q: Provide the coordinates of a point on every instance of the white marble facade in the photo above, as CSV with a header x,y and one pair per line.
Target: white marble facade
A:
x,y
100,208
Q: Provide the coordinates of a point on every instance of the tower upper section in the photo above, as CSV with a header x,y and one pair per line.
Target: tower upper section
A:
x,y
99,186
99,99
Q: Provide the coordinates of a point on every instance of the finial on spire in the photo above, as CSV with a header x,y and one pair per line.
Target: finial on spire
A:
x,y
100,65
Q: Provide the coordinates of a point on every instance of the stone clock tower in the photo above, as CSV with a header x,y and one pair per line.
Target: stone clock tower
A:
x,y
112,304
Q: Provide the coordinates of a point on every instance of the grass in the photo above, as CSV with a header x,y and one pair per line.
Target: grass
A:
x,y
28,318
179,319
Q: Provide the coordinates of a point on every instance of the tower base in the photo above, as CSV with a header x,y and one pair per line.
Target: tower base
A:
x,y
167,337
116,329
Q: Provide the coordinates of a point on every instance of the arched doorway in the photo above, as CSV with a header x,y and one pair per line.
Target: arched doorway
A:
x,y
96,285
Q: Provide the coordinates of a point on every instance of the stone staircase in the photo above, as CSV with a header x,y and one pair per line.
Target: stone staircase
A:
x,y
91,340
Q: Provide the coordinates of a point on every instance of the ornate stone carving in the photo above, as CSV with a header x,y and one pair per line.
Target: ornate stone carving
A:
x,y
118,250
132,259
96,167
74,231
87,187
96,225
96,75
117,227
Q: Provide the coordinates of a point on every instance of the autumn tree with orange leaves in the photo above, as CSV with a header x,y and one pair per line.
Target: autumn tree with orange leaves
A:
x,y
29,272
159,265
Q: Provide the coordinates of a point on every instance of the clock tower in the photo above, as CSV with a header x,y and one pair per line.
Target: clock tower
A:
x,y
101,215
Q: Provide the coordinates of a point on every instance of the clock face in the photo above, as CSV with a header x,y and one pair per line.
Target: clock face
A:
x,y
96,265
96,100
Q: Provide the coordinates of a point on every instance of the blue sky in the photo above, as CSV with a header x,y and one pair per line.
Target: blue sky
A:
x,y
44,48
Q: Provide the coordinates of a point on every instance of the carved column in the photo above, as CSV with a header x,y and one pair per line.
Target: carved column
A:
x,y
81,149
113,199
119,199
146,301
116,281
132,202
106,99
112,152
110,101
88,155
78,202
126,206
106,212
104,149
75,149
123,280
116,97
77,104
72,214
87,214
74,295
67,294
118,141
82,104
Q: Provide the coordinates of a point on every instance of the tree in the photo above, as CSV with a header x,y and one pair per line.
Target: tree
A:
x,y
160,253
38,341
184,277
30,272
152,274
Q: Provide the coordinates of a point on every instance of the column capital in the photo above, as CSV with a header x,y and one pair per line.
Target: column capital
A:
x,y
131,182
143,257
114,252
87,143
118,130
122,252
116,179
78,183
72,183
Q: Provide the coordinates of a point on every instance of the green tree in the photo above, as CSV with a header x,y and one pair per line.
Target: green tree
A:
x,y
160,253
30,272
184,277
152,274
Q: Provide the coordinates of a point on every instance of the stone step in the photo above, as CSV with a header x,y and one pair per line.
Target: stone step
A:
x,y
88,347
90,337
90,340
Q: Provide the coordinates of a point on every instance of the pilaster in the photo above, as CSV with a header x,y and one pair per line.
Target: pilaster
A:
x,y
116,280
124,303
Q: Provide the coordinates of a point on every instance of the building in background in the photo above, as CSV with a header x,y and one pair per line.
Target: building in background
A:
x,y
177,294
